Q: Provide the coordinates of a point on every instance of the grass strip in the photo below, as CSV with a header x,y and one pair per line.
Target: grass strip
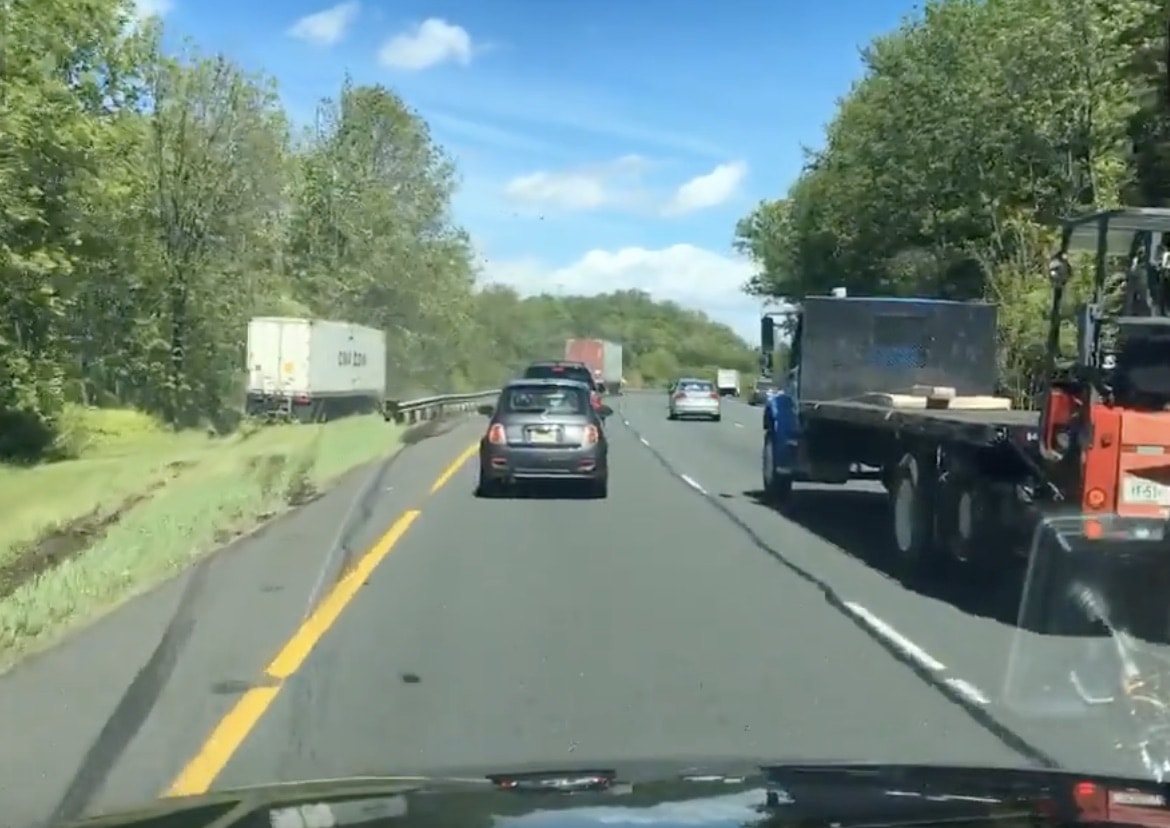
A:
x,y
83,536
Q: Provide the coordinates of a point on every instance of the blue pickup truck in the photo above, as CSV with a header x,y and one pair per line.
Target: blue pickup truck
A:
x,y
852,406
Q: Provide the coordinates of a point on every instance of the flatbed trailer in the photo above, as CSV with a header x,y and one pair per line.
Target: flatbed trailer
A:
x,y
964,482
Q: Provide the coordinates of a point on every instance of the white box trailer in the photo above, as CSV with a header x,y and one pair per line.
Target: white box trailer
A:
x,y
311,368
611,366
727,381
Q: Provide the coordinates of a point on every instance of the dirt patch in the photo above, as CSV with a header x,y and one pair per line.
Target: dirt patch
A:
x,y
63,543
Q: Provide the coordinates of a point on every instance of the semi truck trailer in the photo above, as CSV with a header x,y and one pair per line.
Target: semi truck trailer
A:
x,y
312,370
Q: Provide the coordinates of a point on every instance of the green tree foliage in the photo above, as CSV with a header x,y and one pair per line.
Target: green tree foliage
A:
x,y
660,340
976,124
151,203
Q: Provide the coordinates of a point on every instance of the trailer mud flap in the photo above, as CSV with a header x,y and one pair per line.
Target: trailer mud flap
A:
x,y
1095,586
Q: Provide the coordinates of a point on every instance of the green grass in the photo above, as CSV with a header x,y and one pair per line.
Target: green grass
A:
x,y
167,497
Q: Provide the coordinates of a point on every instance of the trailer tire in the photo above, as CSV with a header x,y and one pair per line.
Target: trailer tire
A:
x,y
913,524
777,487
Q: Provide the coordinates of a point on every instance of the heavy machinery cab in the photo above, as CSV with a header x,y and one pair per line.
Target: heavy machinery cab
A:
x,y
1105,419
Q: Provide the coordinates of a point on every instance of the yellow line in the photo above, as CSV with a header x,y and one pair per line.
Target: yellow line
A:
x,y
449,472
199,774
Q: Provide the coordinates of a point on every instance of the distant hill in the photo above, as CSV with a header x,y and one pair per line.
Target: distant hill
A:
x,y
661,339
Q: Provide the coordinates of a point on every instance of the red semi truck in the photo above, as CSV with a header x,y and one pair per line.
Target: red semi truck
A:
x,y
592,353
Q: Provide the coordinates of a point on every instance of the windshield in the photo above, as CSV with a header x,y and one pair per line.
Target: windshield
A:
x,y
277,505
573,372
536,398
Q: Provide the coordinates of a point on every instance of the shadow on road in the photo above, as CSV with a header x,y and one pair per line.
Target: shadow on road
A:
x,y
543,491
857,522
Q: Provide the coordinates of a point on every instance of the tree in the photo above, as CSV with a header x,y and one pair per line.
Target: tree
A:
x,y
155,202
975,125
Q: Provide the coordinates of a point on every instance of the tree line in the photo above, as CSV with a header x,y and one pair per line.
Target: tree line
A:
x,y
977,124
153,202
661,340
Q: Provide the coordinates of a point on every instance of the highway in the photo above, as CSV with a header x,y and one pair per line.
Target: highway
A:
x,y
678,618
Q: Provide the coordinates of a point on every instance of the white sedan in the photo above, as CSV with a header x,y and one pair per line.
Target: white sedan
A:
x,y
694,398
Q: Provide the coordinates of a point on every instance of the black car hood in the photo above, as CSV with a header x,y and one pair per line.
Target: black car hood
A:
x,y
717,796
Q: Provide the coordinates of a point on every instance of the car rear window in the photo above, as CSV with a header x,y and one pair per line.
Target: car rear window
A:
x,y
547,399
697,387
573,372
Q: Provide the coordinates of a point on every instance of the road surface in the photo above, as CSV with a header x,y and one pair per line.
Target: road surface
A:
x,y
678,618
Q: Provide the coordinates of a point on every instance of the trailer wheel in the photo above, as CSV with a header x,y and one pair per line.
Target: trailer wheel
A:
x,y
777,487
966,514
911,512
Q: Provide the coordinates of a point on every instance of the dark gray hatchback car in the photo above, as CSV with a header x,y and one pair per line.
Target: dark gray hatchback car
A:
x,y
544,430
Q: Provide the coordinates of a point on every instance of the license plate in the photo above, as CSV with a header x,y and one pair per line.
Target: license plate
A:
x,y
542,436
1138,491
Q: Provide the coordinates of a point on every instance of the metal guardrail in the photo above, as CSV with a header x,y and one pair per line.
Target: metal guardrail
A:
x,y
430,408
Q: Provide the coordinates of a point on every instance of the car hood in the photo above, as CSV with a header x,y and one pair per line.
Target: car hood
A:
x,y
719,795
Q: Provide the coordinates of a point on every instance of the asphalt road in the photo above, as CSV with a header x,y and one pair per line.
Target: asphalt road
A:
x,y
677,618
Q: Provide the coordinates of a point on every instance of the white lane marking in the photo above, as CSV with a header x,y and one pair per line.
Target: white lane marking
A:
x,y
901,642
644,441
739,425
694,484
968,690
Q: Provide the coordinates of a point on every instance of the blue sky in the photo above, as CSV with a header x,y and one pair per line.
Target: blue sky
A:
x,y
602,144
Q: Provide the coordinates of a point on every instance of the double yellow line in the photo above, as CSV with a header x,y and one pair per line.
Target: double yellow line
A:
x,y
199,774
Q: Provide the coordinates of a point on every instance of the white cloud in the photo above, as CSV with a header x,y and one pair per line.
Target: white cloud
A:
x,y
613,183
691,276
326,27
432,42
710,190
566,191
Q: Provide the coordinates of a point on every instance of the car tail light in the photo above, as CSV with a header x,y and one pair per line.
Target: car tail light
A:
x,y
496,435
680,395
714,395
591,435
595,399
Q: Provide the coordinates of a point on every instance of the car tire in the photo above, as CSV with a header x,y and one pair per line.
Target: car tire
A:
x,y
672,416
599,489
717,418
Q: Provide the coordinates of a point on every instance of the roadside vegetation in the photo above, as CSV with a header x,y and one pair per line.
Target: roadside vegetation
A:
x,y
152,203
976,125
661,340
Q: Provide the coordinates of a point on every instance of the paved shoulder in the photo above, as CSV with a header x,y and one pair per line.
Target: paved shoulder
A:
x,y
111,712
